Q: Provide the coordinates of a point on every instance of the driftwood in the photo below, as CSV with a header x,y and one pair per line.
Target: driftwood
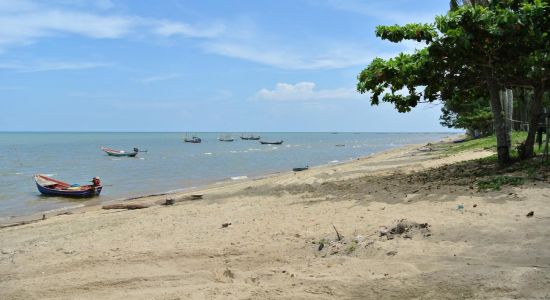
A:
x,y
19,223
125,206
337,233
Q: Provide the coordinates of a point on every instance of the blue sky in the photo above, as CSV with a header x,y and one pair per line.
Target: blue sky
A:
x,y
174,65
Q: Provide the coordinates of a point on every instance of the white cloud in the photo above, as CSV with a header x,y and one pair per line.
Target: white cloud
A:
x,y
23,23
28,22
160,78
24,28
305,91
340,56
382,10
51,66
168,28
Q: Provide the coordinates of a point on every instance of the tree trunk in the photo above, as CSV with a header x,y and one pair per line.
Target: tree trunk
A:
x,y
536,110
503,138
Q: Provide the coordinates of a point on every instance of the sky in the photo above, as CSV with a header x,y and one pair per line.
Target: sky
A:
x,y
209,65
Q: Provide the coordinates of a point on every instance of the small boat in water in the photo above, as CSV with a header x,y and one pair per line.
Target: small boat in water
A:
x,y
193,139
119,153
225,138
271,143
52,187
300,169
250,137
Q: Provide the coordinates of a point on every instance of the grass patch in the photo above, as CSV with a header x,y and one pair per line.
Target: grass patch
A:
x,y
352,247
486,143
496,183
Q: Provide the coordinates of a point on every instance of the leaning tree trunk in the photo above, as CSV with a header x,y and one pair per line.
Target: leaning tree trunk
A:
x,y
502,134
536,110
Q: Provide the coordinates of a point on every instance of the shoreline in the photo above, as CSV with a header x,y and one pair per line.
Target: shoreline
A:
x,y
396,224
14,220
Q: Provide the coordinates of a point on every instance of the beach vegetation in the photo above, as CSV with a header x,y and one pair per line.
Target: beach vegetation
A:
x,y
496,183
473,50
486,143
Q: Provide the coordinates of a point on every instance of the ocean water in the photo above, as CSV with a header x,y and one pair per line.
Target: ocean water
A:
x,y
168,165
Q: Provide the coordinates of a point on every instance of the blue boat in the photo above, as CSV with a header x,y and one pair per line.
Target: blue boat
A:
x,y
51,187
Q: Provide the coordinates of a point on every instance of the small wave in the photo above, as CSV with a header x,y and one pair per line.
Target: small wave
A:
x,y
207,153
334,161
141,158
19,173
233,151
254,149
274,148
239,177
115,158
64,208
176,191
49,175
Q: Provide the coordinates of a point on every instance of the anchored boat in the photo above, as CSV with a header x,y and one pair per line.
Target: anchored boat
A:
x,y
113,152
193,139
250,137
271,143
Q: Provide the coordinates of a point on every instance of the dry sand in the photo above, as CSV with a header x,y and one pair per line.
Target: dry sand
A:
x,y
278,223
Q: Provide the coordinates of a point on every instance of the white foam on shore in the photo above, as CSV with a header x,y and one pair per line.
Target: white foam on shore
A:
x,y
334,161
239,177
63,208
176,191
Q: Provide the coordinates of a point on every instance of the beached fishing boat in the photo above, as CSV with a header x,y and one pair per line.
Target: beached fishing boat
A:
x,y
52,187
119,153
250,137
271,143
300,169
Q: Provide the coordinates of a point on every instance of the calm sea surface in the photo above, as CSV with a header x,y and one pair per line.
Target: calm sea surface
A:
x,y
169,165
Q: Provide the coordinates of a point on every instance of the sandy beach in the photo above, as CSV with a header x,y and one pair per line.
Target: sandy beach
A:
x,y
397,224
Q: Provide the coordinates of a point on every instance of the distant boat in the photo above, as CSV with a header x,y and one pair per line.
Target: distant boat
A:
x,y
300,169
250,137
52,187
225,138
271,143
120,153
193,139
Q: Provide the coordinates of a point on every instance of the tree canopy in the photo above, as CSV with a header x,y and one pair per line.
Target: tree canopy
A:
x,y
472,48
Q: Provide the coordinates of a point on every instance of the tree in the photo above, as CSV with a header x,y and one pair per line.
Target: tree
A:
x,y
470,48
455,4
474,115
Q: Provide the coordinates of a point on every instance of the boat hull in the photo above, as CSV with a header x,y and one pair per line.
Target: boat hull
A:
x,y
132,154
117,153
91,192
271,143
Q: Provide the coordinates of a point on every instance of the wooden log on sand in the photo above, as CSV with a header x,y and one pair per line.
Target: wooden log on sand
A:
x,y
125,206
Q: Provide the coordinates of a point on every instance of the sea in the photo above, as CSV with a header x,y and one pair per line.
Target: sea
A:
x,y
168,164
